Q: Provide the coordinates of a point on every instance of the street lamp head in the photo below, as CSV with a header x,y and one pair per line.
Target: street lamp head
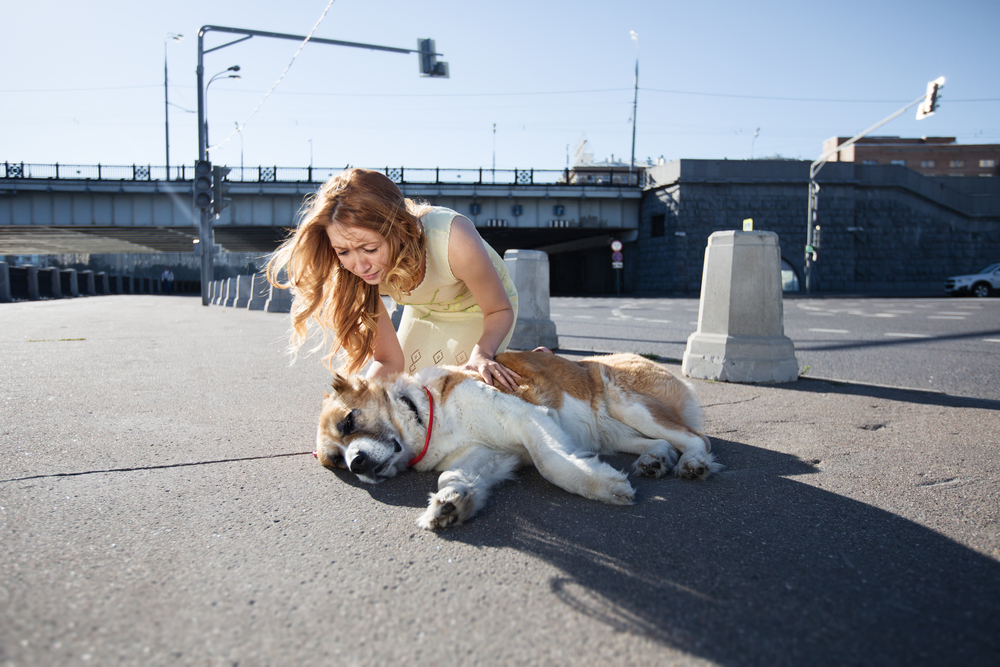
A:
x,y
234,68
175,36
633,34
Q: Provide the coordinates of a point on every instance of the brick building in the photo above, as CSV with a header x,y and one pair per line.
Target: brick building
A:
x,y
930,156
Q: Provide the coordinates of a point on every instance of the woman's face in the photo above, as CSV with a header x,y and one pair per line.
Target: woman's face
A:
x,y
362,252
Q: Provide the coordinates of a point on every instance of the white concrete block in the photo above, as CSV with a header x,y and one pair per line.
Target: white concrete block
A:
x,y
741,331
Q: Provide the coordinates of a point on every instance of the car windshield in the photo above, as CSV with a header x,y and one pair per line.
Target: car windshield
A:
x,y
991,268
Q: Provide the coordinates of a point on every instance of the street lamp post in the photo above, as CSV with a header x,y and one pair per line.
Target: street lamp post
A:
x,y
635,100
234,68
166,103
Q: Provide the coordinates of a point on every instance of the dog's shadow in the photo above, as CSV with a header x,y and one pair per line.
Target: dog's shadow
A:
x,y
408,489
751,566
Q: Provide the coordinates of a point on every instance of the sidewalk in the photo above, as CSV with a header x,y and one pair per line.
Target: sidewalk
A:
x,y
159,506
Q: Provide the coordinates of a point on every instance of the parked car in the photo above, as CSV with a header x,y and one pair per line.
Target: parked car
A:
x,y
977,284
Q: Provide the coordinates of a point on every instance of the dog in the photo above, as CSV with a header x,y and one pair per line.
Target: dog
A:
x,y
561,417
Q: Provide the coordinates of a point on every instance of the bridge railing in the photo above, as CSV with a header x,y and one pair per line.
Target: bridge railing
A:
x,y
589,176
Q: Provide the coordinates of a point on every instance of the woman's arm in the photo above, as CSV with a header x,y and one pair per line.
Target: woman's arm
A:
x,y
388,357
471,264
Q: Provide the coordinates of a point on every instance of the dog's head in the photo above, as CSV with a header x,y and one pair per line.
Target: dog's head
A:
x,y
368,427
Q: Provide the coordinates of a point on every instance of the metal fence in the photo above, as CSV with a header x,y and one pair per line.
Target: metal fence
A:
x,y
589,176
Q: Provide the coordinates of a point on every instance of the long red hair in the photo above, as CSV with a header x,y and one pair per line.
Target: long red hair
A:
x,y
322,289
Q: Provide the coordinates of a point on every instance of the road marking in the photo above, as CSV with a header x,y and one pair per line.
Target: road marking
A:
x,y
840,331
879,315
908,335
645,319
992,340
583,317
946,317
824,314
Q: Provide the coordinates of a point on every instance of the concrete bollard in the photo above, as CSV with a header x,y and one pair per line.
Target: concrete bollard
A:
x,y
48,283
85,282
741,331
5,296
278,301
529,270
259,292
102,284
218,288
243,283
232,285
69,282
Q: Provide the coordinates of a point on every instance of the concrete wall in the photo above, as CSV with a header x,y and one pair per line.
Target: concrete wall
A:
x,y
883,228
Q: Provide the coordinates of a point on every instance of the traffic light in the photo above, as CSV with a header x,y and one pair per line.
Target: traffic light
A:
x,y
932,99
203,184
220,187
429,66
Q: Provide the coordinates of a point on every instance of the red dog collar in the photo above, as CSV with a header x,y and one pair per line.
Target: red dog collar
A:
x,y
427,441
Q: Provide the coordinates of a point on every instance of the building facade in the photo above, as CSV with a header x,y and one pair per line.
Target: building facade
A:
x,y
930,156
884,229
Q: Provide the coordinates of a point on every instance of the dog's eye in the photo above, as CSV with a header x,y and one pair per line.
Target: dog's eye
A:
x,y
346,425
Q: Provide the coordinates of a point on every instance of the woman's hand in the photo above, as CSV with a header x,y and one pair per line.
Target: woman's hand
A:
x,y
493,372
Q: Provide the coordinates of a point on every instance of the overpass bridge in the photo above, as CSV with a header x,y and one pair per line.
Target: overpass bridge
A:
x,y
54,209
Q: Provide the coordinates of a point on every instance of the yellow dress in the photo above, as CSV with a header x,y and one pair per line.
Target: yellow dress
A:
x,y
441,320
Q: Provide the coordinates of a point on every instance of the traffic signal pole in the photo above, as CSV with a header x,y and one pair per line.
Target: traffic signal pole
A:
x,y
206,234
930,103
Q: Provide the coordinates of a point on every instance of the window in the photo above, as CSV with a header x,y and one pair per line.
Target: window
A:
x,y
901,163
657,224
928,164
957,164
987,164
869,162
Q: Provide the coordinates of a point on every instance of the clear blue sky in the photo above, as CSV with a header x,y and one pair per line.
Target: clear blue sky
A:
x,y
82,82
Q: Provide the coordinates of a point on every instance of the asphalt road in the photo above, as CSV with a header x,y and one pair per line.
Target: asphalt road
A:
x,y
945,345
159,506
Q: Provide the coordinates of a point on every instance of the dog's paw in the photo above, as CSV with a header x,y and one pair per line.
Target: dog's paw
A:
x,y
656,462
448,507
696,465
614,489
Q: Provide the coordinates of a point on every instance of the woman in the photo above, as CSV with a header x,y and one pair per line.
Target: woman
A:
x,y
361,239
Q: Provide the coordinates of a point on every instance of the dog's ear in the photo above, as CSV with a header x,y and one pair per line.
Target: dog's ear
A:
x,y
340,383
326,395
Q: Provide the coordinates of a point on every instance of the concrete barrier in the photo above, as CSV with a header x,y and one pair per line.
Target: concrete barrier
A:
x,y
278,301
529,270
68,283
260,291
86,284
48,283
232,291
741,331
243,285
5,296
24,282
102,283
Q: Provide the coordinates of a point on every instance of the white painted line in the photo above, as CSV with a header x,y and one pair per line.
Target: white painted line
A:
x,y
583,317
946,317
840,331
992,340
945,312
881,315
908,335
824,314
645,319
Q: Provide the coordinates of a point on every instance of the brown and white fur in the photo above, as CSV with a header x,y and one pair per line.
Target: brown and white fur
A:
x,y
562,415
